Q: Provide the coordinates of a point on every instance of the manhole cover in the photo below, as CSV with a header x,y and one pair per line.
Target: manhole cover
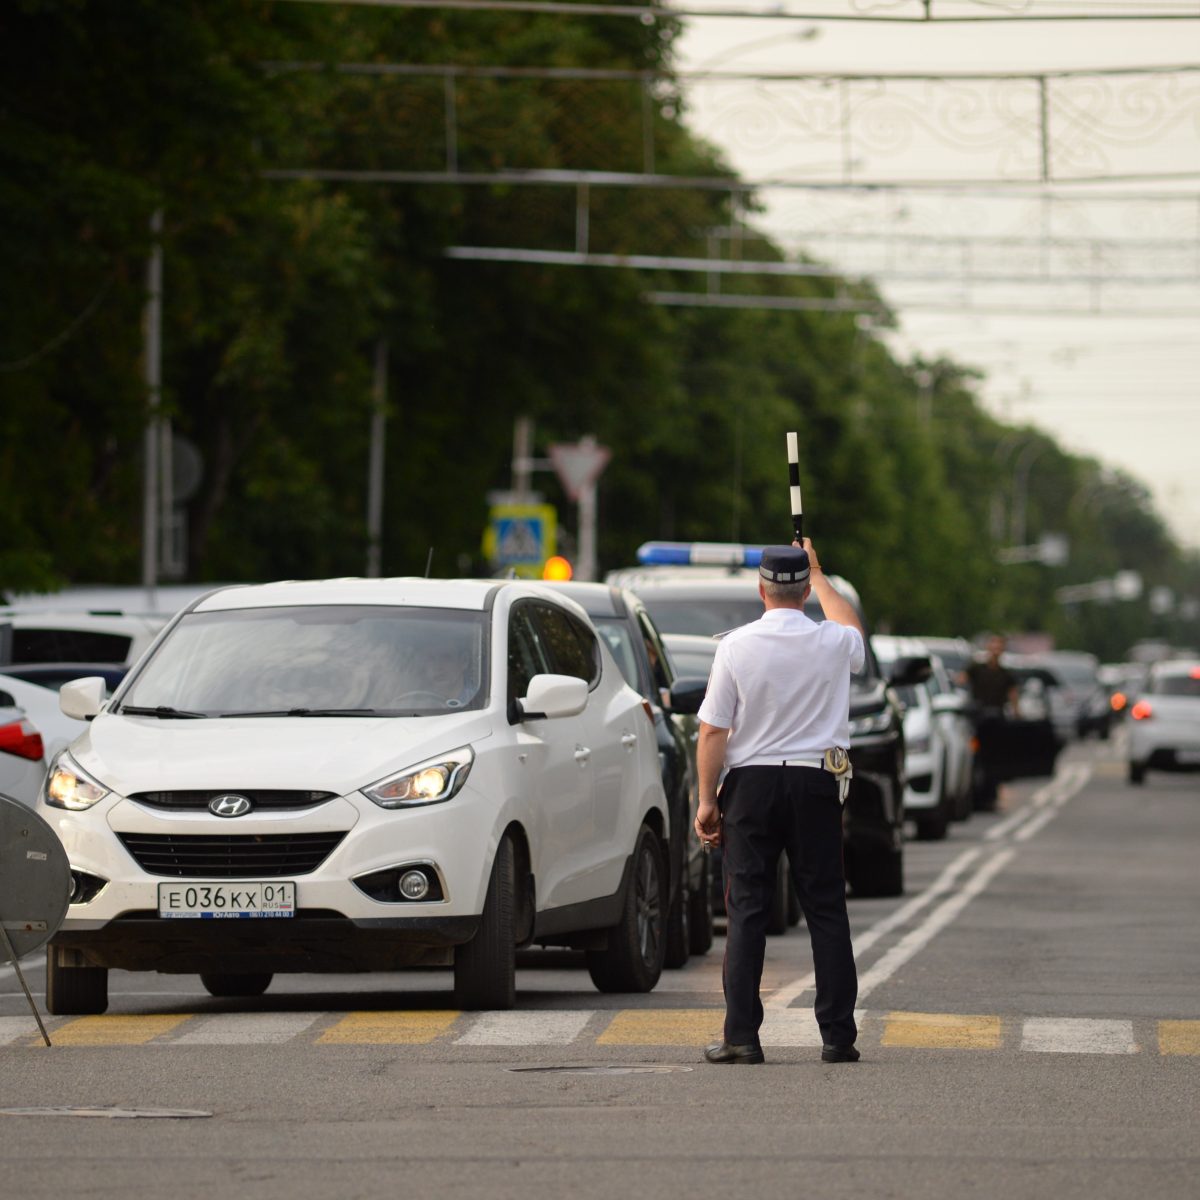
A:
x,y
92,1110
665,1069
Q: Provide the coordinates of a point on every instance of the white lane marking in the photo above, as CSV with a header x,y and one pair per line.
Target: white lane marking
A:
x,y
525,1028
916,939
1076,1035
29,964
783,997
14,1028
246,1029
1071,784
794,1027
1049,796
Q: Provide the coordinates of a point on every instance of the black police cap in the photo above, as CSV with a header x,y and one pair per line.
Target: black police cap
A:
x,y
784,564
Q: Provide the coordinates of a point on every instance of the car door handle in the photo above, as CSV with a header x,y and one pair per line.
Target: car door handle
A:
x,y
629,740
582,754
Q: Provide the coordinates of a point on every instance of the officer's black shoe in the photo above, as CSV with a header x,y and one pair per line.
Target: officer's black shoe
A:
x,y
835,1054
723,1052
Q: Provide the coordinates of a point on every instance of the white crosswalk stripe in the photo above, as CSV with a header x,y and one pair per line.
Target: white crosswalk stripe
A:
x,y
525,1028
1077,1035
247,1029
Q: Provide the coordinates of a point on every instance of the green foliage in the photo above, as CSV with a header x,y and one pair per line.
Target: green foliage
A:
x,y
277,293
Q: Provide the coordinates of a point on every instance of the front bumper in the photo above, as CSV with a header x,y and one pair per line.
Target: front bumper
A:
x,y
337,927
311,941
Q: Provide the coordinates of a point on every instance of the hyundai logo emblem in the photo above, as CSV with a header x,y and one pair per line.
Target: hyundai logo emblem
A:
x,y
230,804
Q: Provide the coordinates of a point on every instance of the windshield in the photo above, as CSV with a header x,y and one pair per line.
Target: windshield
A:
x,y
619,641
707,616
703,615
693,663
1177,685
319,659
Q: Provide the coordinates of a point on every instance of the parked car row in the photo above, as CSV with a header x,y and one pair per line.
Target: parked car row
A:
x,y
395,772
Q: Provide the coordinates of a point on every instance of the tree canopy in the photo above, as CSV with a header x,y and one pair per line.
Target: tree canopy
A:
x,y
277,291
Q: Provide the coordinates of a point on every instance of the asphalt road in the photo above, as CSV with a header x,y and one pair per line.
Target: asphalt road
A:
x,y
1030,1027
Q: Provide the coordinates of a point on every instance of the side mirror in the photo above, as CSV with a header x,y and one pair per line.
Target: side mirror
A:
x,y
910,670
82,699
551,696
949,702
687,695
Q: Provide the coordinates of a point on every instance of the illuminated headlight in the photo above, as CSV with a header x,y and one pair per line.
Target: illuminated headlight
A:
x,y
68,787
427,783
879,722
918,745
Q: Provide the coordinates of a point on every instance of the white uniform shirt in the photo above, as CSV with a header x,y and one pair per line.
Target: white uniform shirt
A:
x,y
781,686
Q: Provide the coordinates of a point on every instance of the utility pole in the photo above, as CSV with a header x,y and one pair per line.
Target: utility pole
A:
x,y
522,461
376,462
154,497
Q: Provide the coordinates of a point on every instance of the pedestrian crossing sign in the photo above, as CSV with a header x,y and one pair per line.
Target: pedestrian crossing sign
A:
x,y
521,537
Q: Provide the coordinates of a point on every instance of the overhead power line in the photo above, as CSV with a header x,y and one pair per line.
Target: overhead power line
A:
x,y
928,14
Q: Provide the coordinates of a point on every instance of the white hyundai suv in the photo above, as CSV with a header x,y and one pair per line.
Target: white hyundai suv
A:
x,y
361,775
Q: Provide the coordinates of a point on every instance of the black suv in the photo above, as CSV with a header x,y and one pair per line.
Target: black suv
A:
x,y
707,601
622,621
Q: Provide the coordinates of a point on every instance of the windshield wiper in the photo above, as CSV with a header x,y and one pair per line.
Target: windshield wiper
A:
x,y
308,712
162,711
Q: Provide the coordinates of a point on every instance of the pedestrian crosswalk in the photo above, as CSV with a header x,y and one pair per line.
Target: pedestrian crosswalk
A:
x,y
638,1028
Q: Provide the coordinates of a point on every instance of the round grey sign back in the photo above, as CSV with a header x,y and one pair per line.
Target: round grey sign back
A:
x,y
35,879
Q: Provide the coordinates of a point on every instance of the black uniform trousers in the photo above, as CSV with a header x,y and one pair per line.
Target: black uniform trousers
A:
x,y
766,810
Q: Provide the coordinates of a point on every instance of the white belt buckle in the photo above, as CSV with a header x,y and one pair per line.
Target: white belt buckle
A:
x,y
837,763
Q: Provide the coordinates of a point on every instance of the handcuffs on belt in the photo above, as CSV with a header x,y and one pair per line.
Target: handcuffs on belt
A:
x,y
837,763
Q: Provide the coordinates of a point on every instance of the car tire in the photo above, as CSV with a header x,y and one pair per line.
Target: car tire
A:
x,y
633,959
934,827
75,991
878,871
485,968
679,933
777,915
220,983
1137,772
700,919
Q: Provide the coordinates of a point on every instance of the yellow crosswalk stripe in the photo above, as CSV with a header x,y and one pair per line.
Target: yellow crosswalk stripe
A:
x,y
663,1027
942,1031
388,1028
1179,1037
117,1029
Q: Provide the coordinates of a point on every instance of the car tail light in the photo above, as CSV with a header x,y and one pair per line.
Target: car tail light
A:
x,y
1118,701
20,738
648,709
1195,673
1141,710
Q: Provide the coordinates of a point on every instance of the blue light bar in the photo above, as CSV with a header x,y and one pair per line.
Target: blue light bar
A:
x,y
696,554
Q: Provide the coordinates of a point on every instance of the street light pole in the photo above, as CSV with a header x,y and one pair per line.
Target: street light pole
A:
x,y
375,464
152,438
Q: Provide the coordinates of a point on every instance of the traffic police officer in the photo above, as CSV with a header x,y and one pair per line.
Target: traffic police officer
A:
x,y
778,700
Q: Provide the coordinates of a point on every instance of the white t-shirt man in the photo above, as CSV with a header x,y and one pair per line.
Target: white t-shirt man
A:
x,y
781,686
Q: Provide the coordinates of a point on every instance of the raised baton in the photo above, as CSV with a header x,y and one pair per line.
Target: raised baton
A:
x,y
794,480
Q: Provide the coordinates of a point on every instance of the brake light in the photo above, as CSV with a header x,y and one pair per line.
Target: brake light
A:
x,y
1141,710
1118,701
20,738
648,709
1195,672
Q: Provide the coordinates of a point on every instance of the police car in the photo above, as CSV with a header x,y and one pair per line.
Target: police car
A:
x,y
709,588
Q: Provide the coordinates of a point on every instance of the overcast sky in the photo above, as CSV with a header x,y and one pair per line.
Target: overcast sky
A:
x,y
1124,389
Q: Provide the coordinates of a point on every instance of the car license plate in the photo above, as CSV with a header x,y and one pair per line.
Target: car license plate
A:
x,y
240,898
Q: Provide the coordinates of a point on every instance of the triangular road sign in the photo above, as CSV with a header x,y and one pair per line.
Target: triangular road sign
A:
x,y
578,464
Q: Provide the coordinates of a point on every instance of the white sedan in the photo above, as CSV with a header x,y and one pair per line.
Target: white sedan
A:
x,y
1164,732
395,772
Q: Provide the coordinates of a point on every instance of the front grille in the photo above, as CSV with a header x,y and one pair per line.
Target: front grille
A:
x,y
230,856
273,800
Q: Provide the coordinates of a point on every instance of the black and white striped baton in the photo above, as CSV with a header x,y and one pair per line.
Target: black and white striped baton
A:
x,y
793,444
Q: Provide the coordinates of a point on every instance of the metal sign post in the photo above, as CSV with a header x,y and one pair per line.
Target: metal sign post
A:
x,y
35,889
578,466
